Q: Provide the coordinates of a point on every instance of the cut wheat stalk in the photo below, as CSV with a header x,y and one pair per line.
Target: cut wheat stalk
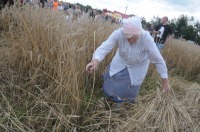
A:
x,y
163,113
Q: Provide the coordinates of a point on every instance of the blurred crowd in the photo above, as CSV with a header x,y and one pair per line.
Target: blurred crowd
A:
x,y
73,11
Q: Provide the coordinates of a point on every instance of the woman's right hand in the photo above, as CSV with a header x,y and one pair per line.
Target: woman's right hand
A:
x,y
92,66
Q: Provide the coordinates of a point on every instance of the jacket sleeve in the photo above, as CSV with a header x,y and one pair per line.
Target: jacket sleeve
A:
x,y
106,46
155,56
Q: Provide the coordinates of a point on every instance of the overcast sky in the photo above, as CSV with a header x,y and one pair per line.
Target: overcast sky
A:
x,y
148,8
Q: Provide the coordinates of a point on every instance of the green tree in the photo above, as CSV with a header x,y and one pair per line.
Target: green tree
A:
x,y
181,26
189,33
197,31
144,23
172,24
88,8
156,20
82,7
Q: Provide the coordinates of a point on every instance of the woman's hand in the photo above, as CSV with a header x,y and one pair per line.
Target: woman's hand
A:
x,y
165,85
92,66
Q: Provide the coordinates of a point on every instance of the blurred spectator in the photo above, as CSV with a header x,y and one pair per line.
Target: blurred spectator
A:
x,y
41,3
65,6
92,14
151,29
50,4
163,31
55,5
60,6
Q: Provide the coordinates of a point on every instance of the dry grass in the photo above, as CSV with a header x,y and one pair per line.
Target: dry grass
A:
x,y
192,103
43,70
44,87
163,113
155,112
183,59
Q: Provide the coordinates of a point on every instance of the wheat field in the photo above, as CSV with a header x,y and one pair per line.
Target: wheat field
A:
x,y
44,86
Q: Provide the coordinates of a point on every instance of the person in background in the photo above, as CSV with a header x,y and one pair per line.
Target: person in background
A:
x,y
50,4
65,6
41,4
128,68
92,14
151,29
55,5
45,3
163,33
60,6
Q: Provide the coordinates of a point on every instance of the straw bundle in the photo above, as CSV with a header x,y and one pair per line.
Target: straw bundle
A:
x,y
164,113
192,103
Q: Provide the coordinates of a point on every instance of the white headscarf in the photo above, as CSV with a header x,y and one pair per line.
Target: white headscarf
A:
x,y
132,26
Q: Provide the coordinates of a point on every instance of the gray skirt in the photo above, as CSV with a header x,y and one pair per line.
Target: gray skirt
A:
x,y
118,88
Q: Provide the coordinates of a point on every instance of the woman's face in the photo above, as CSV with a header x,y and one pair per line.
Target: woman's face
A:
x,y
133,39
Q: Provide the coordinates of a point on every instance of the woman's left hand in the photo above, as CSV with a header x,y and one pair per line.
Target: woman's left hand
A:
x,y
165,85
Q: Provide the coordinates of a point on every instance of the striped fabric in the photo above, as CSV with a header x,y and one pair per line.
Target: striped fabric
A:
x,y
118,88
134,57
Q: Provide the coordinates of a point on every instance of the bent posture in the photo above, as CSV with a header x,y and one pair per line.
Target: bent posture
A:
x,y
128,68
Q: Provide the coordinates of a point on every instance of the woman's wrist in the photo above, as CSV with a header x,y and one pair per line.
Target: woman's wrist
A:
x,y
164,81
95,60
165,84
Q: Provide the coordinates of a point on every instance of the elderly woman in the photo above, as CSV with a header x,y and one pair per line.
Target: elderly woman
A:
x,y
125,74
